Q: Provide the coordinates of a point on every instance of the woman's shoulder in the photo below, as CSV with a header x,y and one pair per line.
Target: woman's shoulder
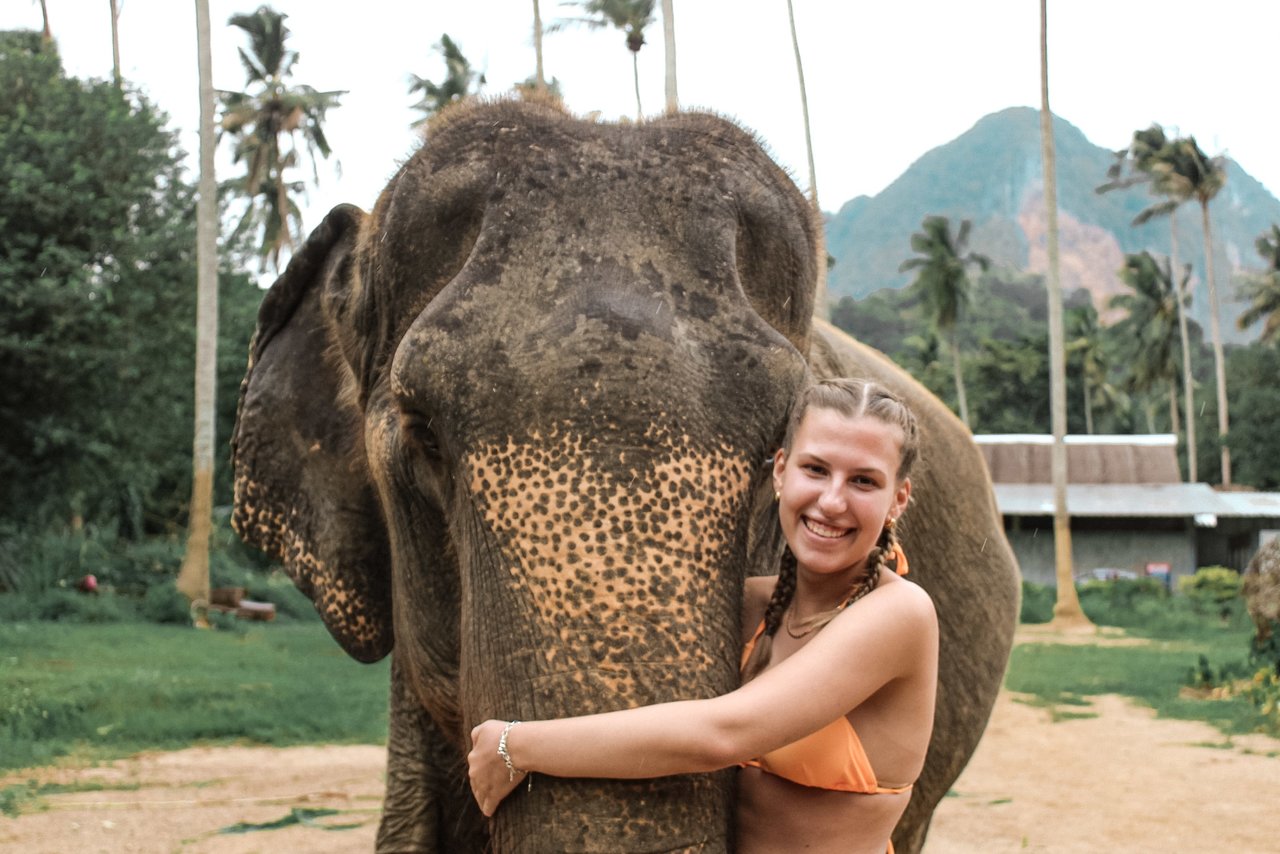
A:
x,y
898,601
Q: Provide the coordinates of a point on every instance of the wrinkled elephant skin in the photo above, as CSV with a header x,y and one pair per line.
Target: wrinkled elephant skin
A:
x,y
514,423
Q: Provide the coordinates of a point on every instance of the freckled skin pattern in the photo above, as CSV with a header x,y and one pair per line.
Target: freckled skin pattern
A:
x,y
514,425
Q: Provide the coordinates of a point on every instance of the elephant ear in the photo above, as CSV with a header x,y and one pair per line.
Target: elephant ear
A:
x,y
303,492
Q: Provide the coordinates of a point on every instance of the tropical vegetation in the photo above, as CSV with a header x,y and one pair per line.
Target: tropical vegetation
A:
x,y
264,122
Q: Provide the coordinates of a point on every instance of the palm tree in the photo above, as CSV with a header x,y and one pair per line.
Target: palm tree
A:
x,y
1066,610
821,309
460,81
943,284
115,42
1135,165
669,42
258,120
193,578
540,79
1147,330
46,34
1263,289
1182,171
630,16
1086,341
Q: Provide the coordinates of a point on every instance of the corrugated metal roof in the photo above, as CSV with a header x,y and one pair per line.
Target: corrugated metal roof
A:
x,y
1025,459
1249,503
1112,499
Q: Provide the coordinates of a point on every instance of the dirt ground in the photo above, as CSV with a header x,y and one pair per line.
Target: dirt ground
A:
x,y
1120,781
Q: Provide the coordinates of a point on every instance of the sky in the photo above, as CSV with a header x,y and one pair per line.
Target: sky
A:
x,y
887,80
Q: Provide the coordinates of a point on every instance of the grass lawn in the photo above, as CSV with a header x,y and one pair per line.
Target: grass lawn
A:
x,y
1061,675
96,691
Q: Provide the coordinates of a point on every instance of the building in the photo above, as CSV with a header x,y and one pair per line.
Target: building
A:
x,y
1129,509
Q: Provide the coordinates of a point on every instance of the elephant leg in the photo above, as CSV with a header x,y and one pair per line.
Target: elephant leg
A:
x,y
427,807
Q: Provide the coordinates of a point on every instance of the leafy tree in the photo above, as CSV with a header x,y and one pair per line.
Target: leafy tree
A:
x,y
97,305
1141,163
630,16
460,82
943,283
1011,384
1263,289
1255,408
1148,328
270,113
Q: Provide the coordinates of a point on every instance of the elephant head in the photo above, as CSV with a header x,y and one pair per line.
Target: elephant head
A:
x,y
516,420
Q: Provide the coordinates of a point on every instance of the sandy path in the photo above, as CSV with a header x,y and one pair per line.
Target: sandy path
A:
x,y
1121,781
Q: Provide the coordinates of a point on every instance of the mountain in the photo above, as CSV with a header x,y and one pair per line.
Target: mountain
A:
x,y
992,175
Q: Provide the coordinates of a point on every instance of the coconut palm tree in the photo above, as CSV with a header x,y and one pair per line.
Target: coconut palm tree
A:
x,y
1193,174
1136,165
1085,340
1066,609
669,42
272,112
1263,289
943,284
540,79
1149,326
193,577
1182,171
821,308
630,16
115,43
460,81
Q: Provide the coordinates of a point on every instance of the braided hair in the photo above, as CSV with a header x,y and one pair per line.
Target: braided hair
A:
x,y
852,399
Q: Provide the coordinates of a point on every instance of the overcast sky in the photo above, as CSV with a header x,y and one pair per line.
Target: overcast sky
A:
x,y
888,79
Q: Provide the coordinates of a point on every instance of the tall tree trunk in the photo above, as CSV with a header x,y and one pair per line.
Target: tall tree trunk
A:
x,y
635,72
1088,405
669,42
958,373
1066,610
1219,362
193,578
1188,381
115,42
47,34
540,79
821,308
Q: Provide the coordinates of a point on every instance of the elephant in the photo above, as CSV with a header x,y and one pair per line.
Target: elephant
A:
x,y
513,427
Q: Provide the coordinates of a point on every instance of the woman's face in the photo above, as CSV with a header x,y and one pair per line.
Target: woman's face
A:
x,y
837,485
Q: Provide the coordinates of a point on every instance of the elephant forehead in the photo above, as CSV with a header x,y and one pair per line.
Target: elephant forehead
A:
x,y
606,544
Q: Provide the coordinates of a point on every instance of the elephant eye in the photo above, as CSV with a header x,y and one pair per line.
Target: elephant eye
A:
x,y
417,429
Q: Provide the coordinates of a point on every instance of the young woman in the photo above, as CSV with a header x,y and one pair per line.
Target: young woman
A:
x,y
839,662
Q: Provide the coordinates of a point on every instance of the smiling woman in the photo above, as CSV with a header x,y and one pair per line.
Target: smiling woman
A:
x,y
812,775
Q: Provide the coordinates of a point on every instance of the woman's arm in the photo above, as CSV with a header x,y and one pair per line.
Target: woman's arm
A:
x,y
833,673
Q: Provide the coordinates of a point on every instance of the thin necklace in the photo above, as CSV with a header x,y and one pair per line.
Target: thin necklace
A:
x,y
868,584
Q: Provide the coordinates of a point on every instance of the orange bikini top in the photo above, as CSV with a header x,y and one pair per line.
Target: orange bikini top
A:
x,y
831,758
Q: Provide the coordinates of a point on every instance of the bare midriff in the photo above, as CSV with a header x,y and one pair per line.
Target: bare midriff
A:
x,y
775,815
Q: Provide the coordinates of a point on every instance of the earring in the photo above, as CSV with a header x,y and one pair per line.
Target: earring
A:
x,y
777,495
889,523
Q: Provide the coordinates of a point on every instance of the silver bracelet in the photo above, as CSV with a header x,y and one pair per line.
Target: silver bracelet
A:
x,y
512,770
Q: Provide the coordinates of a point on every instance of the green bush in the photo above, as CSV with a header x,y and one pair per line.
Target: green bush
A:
x,y
1037,603
1213,590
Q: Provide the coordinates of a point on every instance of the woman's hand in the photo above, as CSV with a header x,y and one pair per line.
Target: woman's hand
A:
x,y
491,781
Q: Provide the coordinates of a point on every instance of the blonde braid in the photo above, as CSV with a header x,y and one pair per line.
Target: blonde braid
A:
x,y
783,591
